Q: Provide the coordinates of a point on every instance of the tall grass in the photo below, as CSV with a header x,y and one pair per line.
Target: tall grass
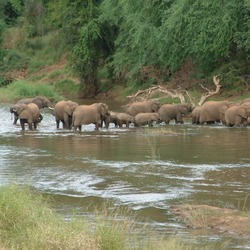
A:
x,y
28,222
22,89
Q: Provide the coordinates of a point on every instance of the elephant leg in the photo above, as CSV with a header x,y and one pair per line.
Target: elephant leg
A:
x,y
30,126
22,124
57,124
15,119
97,126
35,125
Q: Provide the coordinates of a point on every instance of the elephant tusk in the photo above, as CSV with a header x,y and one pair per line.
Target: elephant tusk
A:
x,y
51,108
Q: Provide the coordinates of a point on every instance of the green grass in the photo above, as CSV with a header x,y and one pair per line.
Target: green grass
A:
x,y
22,89
27,221
67,87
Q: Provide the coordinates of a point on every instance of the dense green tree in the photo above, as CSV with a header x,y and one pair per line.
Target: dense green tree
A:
x,y
163,34
77,20
10,10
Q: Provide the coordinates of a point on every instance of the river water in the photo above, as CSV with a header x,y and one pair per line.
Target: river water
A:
x,y
144,169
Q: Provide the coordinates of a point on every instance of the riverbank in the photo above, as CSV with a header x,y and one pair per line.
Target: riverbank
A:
x,y
224,219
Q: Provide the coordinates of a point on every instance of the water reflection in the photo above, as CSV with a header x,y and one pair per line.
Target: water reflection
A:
x,y
146,169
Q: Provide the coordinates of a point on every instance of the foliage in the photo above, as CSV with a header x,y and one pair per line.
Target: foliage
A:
x,y
122,38
23,89
10,10
85,53
66,87
172,31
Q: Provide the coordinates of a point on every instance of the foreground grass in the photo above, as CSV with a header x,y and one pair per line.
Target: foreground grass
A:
x,y
28,222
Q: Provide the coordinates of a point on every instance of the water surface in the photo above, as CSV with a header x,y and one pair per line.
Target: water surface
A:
x,y
144,169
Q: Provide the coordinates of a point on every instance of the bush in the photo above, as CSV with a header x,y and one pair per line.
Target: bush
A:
x,y
23,89
67,87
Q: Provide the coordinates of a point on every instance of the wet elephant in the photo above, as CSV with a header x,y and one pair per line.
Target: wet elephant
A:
x,y
40,101
196,115
87,114
142,119
27,113
213,111
124,118
237,115
63,112
147,106
175,112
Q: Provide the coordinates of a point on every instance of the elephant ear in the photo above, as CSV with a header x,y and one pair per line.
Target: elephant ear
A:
x,y
103,108
242,112
68,108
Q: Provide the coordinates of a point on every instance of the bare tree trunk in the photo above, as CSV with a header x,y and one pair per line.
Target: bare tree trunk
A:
x,y
209,92
176,94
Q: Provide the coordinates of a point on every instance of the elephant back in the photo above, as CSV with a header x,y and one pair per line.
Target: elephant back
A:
x,y
147,106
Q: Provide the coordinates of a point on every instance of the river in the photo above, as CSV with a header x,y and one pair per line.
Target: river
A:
x,y
144,169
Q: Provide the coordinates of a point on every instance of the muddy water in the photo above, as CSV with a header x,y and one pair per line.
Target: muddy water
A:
x,y
146,170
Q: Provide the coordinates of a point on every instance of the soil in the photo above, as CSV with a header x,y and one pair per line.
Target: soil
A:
x,y
204,216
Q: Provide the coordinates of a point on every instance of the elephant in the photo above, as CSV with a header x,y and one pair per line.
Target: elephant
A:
x,y
237,115
142,119
27,113
63,112
147,106
214,111
87,114
124,118
196,115
40,101
111,118
169,112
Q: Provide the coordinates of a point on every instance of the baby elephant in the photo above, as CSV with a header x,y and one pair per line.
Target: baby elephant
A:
x,y
147,119
123,118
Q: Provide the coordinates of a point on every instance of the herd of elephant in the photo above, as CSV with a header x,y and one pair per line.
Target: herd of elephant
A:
x,y
73,116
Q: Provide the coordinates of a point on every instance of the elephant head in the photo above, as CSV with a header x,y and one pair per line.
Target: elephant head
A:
x,y
103,109
63,112
41,101
184,108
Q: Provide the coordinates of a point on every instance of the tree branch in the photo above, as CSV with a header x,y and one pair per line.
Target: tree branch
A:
x,y
210,93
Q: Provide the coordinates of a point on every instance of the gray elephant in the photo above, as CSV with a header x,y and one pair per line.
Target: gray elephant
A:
x,y
147,106
124,118
175,112
214,111
110,118
27,113
87,114
196,115
237,115
63,112
40,101
142,119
